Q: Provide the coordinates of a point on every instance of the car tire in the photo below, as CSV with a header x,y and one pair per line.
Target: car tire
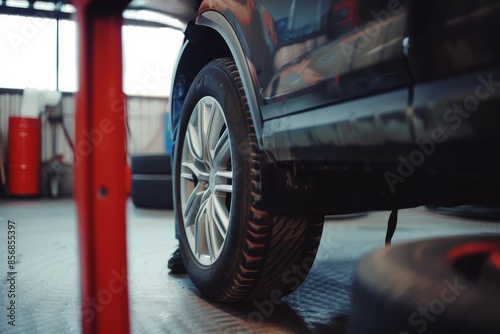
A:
x,y
443,285
152,191
158,164
232,248
151,183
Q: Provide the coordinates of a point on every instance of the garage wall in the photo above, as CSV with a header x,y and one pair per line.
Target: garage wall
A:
x,y
10,104
146,121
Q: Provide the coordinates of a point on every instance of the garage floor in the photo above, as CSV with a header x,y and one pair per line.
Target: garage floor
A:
x,y
48,288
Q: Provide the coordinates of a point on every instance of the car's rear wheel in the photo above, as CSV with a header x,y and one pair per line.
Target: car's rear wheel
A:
x,y
233,249
445,285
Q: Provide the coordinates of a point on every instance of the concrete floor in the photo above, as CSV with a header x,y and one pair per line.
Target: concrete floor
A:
x,y
48,278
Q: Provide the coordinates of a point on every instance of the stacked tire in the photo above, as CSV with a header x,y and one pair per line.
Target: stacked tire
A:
x,y
152,181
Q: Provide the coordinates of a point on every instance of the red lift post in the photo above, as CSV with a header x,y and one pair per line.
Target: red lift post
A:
x,y
100,160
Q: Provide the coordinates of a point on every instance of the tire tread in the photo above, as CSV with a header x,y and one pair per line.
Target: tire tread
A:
x,y
273,244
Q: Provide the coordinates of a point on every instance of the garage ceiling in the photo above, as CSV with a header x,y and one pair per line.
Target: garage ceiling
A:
x,y
183,10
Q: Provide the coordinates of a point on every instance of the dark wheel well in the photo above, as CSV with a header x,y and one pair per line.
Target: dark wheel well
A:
x,y
205,44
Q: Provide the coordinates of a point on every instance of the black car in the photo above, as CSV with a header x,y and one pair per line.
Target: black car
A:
x,y
286,111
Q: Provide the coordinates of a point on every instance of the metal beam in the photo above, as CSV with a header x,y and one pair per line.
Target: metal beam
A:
x,y
100,162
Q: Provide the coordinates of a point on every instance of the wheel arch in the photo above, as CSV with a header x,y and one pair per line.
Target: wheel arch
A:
x,y
209,37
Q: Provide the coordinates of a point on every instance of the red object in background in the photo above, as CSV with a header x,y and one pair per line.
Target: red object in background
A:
x,y
100,160
351,12
23,178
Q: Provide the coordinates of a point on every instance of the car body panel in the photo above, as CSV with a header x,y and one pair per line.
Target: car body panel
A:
x,y
352,131
315,53
388,84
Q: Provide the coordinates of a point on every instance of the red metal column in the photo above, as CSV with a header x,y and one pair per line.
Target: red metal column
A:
x,y
100,160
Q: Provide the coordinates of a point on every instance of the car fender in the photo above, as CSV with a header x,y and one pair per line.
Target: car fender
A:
x,y
209,26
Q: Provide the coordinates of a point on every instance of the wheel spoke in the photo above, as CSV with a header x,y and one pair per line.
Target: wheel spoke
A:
x,y
200,230
210,234
220,215
193,205
215,125
225,176
192,170
222,151
194,142
223,188
205,111
188,176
